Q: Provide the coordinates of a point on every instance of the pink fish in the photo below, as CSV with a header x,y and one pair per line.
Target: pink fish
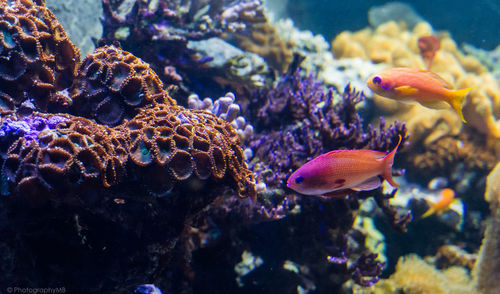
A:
x,y
339,172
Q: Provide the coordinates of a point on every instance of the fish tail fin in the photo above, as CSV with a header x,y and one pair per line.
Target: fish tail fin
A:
x,y
388,161
429,212
457,101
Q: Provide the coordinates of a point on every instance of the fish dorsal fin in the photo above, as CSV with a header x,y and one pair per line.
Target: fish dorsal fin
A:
x,y
439,79
369,184
406,90
333,153
436,104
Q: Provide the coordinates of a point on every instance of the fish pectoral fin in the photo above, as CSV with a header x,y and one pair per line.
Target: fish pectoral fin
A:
x,y
370,184
436,104
337,194
406,90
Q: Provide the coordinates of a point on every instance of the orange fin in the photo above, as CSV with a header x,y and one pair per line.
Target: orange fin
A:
x,y
369,184
406,90
388,161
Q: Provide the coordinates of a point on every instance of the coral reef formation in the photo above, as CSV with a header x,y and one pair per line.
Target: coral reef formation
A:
x,y
414,275
264,40
113,84
38,61
112,196
168,26
226,109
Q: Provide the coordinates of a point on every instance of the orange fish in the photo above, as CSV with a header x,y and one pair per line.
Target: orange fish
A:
x,y
428,46
339,172
425,87
447,198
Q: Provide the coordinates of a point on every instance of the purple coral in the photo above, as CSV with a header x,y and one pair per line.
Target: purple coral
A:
x,y
167,27
29,127
299,119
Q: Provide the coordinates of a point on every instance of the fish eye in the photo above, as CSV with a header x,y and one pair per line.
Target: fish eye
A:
x,y
377,80
299,180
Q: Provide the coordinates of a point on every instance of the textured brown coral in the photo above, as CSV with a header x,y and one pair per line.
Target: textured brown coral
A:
x,y
264,40
170,143
37,59
113,84
188,142
79,151
448,151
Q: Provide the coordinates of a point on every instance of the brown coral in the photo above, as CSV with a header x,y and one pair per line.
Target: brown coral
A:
x,y
171,143
78,151
113,84
37,59
188,142
264,40
449,151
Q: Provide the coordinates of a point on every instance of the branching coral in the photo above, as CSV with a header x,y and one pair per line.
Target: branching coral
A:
x,y
37,59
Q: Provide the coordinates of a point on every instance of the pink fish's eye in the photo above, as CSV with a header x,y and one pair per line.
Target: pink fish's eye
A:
x,y
299,180
377,80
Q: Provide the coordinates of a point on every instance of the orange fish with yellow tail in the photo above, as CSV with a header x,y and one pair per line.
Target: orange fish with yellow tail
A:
x,y
425,87
339,172
447,198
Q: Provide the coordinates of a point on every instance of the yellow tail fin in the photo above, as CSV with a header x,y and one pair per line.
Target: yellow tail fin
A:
x,y
429,212
457,101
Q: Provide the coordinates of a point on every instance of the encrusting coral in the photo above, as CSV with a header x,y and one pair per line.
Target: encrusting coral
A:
x,y
113,84
37,59
179,143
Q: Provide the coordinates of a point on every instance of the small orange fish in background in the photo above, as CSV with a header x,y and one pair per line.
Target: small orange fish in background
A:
x,y
422,86
339,172
428,46
447,198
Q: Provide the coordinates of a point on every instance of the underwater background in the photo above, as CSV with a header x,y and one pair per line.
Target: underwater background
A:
x,y
149,146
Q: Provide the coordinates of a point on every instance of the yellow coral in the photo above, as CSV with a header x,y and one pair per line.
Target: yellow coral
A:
x,y
413,275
